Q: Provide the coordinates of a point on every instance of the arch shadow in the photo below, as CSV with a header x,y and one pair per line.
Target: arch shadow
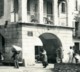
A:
x,y
51,43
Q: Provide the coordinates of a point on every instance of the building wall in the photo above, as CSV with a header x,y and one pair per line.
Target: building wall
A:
x,y
19,35
64,34
8,12
76,36
12,36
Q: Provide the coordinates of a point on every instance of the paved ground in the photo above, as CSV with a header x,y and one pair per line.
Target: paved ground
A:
x,y
36,68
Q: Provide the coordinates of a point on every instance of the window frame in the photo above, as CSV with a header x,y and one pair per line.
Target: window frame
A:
x,y
63,7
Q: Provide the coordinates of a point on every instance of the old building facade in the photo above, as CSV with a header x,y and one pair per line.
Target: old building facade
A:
x,y
76,25
31,24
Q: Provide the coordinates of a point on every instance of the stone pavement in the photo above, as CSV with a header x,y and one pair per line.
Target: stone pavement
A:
x,y
36,68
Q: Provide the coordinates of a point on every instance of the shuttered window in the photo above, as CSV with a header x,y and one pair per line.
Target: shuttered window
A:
x,y
1,8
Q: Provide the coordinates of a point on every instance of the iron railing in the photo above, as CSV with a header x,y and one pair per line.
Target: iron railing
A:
x,y
33,17
48,18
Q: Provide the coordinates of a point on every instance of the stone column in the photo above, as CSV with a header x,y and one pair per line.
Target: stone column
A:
x,y
23,11
70,9
55,12
12,10
40,2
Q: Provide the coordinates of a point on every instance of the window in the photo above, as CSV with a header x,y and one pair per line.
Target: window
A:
x,y
28,6
77,47
30,33
16,6
37,53
76,28
1,8
49,8
76,5
63,7
76,25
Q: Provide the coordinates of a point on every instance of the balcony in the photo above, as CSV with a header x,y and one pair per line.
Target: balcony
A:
x,y
33,17
76,15
48,19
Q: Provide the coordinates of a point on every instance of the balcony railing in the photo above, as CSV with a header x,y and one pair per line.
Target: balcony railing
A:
x,y
48,18
33,17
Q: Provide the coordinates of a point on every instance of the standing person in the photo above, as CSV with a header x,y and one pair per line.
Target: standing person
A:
x,y
71,53
59,55
0,56
44,58
16,58
77,58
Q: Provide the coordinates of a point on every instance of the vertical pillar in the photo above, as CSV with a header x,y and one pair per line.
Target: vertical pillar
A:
x,y
70,9
55,12
14,14
12,10
23,11
40,11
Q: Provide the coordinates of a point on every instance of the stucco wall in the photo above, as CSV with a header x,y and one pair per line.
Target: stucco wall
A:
x,y
7,11
64,34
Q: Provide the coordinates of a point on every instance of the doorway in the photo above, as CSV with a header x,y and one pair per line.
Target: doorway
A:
x,y
37,54
51,43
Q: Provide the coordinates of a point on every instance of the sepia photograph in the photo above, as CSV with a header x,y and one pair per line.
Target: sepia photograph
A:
x,y
39,36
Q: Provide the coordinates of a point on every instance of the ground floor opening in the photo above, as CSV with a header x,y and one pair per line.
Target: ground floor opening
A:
x,y
51,43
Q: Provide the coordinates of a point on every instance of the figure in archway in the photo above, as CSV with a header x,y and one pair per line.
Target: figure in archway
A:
x,y
71,52
59,55
51,43
44,58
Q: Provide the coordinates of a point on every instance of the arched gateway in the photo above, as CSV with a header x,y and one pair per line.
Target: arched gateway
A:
x,y
50,43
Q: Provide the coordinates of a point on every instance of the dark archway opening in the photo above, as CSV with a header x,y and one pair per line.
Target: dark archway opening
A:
x,y
2,44
50,43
